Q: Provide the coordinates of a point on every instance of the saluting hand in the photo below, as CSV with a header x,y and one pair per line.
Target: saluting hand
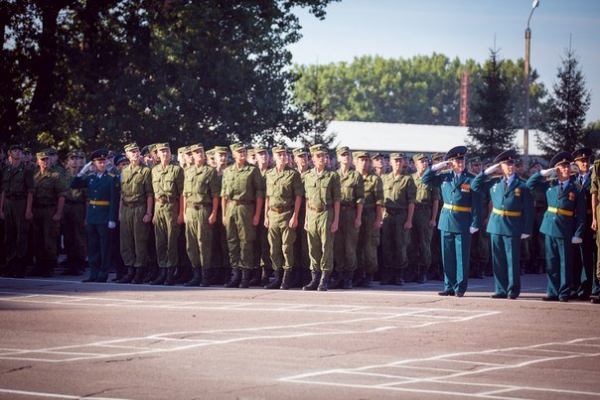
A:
x,y
85,169
440,165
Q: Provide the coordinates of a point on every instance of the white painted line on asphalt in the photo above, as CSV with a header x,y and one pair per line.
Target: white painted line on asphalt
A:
x,y
52,395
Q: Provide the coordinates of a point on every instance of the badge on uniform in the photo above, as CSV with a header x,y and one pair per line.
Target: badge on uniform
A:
x,y
466,188
517,192
571,196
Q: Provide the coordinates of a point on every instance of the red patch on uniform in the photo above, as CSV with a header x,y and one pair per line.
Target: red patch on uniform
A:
x,y
572,196
517,192
465,187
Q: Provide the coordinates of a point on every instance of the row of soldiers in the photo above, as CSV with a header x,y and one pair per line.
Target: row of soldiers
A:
x,y
255,219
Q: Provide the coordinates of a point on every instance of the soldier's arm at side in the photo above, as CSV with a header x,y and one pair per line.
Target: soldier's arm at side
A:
x,y
594,191
580,211
266,212
594,213
411,197
528,212
79,182
2,205
115,195
337,198
298,193
30,189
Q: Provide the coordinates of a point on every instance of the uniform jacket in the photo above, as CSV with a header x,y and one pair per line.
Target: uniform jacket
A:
x,y
516,198
557,224
457,194
105,189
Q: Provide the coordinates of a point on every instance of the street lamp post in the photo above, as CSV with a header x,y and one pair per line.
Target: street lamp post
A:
x,y
535,4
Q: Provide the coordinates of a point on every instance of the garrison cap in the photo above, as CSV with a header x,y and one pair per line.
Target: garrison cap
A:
x,y
237,147
181,150
299,151
197,146
457,152
475,160
119,158
278,149
111,153
210,153
341,150
435,156
395,156
506,156
318,149
73,153
376,154
519,161
259,149
536,163
52,151
361,154
42,155
99,154
131,146
418,157
152,147
145,150
220,149
27,150
564,157
15,146
162,146
582,154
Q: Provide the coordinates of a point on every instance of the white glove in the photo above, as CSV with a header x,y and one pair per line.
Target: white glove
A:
x,y
473,230
112,224
490,170
85,169
576,240
524,236
439,166
547,172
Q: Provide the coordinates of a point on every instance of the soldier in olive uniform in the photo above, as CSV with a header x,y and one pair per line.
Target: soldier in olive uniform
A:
x,y
424,219
16,205
242,198
399,201
282,206
323,197
262,264
594,190
372,215
48,204
302,262
167,183
74,217
201,192
351,207
137,204
220,246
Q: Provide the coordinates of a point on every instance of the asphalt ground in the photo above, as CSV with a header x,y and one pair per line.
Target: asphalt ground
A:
x,y
64,339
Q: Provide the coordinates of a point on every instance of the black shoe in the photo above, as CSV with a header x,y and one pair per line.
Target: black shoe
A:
x,y
170,281
245,282
498,296
324,284
160,279
102,280
549,298
596,301
314,283
195,281
128,277
459,294
446,293
88,280
207,276
140,273
286,280
236,277
583,298
513,296
564,299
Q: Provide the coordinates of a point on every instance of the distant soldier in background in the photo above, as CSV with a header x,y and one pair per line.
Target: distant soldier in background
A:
x,y
220,248
74,217
262,258
302,262
480,241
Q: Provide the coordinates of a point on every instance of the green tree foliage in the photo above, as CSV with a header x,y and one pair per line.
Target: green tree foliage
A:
x,y
567,108
421,90
591,135
104,72
491,125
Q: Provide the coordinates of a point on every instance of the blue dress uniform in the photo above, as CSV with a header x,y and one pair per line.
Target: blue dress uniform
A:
x,y
512,216
563,221
103,207
583,260
460,213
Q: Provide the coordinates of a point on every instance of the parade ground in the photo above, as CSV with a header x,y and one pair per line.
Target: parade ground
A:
x,y
64,339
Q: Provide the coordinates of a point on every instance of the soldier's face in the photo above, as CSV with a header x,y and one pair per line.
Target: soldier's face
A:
x,y
476,168
519,169
378,162
458,165
122,165
362,163
563,171
220,159
422,165
240,156
43,163
262,157
583,165
100,165
344,158
280,158
198,156
73,162
189,158
508,168
164,155
301,160
318,160
133,155
397,164
15,154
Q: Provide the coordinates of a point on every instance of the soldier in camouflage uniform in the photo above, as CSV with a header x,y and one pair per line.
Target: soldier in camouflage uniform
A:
x,y
302,262
262,258
351,207
201,193
323,196
242,198
220,248
74,217
399,202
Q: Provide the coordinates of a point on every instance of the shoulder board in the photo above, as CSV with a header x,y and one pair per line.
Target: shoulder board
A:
x,y
111,174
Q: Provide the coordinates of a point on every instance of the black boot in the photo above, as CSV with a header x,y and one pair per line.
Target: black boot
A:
x,y
277,282
324,284
245,282
160,279
474,270
21,268
197,278
128,277
348,280
185,274
359,278
265,276
254,277
422,277
236,277
140,272
152,274
368,281
314,283
385,276
481,270
399,277
286,282
170,281
207,274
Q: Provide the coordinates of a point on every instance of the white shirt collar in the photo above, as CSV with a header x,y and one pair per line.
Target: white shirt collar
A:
x,y
510,179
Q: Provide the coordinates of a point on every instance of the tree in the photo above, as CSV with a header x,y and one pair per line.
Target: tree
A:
x,y
567,107
491,126
591,135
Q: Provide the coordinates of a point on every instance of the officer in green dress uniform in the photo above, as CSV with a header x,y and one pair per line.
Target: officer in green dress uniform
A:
x,y
400,194
137,204
562,225
323,196
351,208
167,183
242,198
460,218
102,213
201,192
510,222
282,206
16,205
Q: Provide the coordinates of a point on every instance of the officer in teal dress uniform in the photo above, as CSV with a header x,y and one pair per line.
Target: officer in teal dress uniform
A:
x,y
102,212
460,217
510,221
562,224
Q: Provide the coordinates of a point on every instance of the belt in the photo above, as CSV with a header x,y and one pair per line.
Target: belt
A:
x,y
560,211
457,208
319,209
420,207
393,211
44,205
99,202
507,213
74,202
345,208
167,199
240,202
133,204
198,206
279,210
15,196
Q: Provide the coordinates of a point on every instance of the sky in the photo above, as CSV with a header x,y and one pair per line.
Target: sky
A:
x,y
458,28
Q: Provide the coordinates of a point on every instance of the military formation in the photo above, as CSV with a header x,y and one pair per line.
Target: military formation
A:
x,y
312,218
